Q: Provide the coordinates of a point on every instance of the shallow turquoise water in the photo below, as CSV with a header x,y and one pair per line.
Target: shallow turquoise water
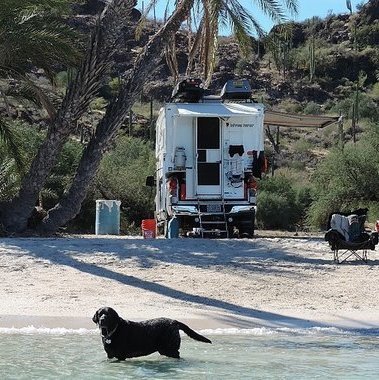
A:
x,y
244,354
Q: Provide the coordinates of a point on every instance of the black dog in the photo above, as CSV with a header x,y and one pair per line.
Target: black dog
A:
x,y
126,339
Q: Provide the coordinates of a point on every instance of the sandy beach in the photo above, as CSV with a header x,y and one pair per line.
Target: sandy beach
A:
x,y
265,281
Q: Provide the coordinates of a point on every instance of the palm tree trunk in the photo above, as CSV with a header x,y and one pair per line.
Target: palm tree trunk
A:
x,y
14,215
116,114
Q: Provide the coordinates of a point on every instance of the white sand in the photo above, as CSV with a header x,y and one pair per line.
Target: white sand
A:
x,y
61,282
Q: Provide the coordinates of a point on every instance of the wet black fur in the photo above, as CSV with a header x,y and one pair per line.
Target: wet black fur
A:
x,y
126,339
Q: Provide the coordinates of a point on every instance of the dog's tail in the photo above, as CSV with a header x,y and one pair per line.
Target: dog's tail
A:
x,y
192,334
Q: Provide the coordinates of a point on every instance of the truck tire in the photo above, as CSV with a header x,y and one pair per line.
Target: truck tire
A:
x,y
246,230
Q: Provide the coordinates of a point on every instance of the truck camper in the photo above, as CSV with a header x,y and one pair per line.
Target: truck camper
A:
x,y
209,152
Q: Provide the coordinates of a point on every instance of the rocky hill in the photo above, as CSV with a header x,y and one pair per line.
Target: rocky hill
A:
x,y
334,36
344,47
278,68
314,70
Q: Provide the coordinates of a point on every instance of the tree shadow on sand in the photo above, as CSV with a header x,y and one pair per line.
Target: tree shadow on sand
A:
x,y
75,252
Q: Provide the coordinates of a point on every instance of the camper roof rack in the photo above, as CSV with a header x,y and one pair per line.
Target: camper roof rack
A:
x,y
236,89
188,91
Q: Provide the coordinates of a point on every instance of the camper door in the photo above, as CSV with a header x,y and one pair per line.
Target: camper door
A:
x,y
208,156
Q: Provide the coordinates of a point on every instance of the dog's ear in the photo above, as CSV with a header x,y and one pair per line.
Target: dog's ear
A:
x,y
113,313
95,318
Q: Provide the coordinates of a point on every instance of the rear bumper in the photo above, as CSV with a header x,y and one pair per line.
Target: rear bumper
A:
x,y
230,210
240,216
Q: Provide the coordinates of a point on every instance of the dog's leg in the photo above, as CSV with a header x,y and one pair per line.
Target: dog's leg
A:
x,y
170,354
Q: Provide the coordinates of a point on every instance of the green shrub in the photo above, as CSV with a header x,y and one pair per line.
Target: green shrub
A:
x,y
98,104
346,180
344,106
304,199
294,164
312,108
302,146
122,176
367,107
273,211
374,93
291,106
371,137
277,208
368,34
114,85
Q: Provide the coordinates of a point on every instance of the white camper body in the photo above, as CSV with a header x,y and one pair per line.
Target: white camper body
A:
x,y
208,154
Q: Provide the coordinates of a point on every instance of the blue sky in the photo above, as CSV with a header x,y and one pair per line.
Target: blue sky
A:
x,y
307,9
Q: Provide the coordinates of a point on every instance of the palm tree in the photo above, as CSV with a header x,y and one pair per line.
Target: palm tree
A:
x,y
117,113
81,91
98,57
32,35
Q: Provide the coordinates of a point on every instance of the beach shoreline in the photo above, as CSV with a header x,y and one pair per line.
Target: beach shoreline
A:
x,y
211,321
209,284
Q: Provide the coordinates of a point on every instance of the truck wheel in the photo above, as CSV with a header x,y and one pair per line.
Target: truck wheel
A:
x,y
246,230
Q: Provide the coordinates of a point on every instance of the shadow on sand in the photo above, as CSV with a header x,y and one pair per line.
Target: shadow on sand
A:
x,y
249,255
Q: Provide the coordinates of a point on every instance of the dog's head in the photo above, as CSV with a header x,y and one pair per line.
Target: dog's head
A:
x,y
107,319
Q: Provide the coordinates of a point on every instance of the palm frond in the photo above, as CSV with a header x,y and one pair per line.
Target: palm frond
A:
x,y
240,19
210,39
9,139
276,10
102,46
28,90
293,6
194,47
32,33
171,60
9,180
48,193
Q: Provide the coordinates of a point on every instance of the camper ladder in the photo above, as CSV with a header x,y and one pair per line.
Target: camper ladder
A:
x,y
212,218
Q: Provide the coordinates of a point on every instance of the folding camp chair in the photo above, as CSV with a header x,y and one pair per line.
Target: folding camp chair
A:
x,y
347,237
343,250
